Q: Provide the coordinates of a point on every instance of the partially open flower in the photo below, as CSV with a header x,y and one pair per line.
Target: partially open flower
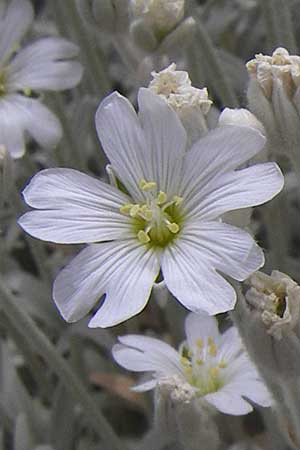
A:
x,y
280,66
277,297
210,368
190,103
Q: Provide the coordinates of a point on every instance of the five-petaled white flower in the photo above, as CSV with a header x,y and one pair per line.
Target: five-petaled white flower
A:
x,y
46,64
165,214
209,366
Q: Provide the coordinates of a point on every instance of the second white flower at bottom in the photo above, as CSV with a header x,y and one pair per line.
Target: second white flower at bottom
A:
x,y
209,367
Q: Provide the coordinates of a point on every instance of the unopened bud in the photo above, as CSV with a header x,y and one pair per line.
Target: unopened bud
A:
x,y
190,103
240,117
277,298
161,15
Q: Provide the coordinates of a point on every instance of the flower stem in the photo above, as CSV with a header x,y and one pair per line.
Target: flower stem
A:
x,y
214,70
279,25
60,367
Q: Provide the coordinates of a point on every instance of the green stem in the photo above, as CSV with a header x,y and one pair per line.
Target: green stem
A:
x,y
214,72
59,366
92,57
279,25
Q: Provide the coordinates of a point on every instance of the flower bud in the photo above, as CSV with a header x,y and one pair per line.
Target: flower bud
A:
x,y
273,96
277,298
240,117
190,103
268,320
161,15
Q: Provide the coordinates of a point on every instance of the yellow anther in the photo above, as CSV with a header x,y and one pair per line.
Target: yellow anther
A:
x,y
134,210
214,372
161,198
146,213
184,361
188,371
147,185
27,91
199,362
199,343
212,348
173,227
177,200
125,209
222,364
143,237
190,354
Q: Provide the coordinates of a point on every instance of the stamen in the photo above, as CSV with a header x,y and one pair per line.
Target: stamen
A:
x,y
199,343
212,348
125,209
134,210
27,91
143,237
147,185
173,227
184,361
177,200
222,364
214,372
146,213
161,198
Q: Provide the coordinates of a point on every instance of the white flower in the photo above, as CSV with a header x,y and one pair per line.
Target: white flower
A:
x,y
209,366
164,216
46,64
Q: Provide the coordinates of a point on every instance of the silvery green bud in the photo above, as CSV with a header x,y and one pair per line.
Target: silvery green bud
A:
x,y
273,96
268,320
104,15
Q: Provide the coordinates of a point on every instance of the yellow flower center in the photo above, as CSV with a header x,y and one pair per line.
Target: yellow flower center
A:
x,y
202,367
158,221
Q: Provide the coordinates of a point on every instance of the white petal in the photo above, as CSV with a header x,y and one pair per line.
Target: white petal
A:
x,y
194,282
124,270
13,25
166,141
12,127
74,208
229,403
240,189
123,141
143,353
46,64
231,345
252,389
143,387
221,150
200,326
39,121
225,247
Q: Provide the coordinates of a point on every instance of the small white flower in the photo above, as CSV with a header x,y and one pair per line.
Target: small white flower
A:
x,y
166,214
209,366
46,64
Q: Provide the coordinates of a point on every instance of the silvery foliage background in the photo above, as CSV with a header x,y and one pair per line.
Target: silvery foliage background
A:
x,y
78,403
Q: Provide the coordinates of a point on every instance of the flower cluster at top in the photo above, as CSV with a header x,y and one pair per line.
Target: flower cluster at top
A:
x,y
209,367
